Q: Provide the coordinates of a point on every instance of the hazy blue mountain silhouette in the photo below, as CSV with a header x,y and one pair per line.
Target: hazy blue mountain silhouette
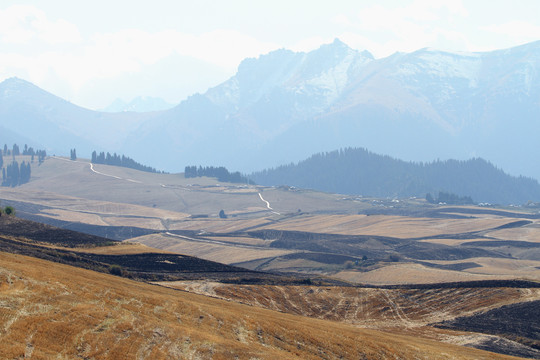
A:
x,y
285,106
360,172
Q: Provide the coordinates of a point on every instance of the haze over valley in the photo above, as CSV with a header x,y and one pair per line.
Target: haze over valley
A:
x,y
286,106
235,180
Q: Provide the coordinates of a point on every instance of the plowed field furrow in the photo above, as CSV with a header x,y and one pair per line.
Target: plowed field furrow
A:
x,y
369,307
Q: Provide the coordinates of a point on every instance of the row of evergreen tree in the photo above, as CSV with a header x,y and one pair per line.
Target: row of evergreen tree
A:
x,y
220,173
27,151
73,154
116,160
13,174
449,198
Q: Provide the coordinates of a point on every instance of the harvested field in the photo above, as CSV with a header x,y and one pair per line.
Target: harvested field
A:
x,y
367,307
227,254
124,248
410,273
391,226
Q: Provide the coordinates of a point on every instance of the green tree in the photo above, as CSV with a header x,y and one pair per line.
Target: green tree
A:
x,y
9,210
222,214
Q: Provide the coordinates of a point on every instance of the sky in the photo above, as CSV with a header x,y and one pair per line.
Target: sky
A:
x,y
92,53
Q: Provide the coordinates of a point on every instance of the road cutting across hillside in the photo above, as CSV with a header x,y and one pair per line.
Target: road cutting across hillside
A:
x,y
268,205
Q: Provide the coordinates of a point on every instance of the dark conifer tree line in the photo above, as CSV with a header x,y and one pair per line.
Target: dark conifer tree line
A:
x,y
13,173
449,198
220,173
117,160
358,171
27,151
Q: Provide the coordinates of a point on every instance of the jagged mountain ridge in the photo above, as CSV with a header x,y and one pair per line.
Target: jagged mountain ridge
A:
x,y
429,104
34,116
285,106
138,104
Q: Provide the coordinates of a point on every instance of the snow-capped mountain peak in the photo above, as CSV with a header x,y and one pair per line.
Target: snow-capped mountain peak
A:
x,y
313,79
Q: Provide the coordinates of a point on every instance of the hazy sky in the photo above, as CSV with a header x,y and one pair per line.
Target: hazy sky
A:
x,y
91,52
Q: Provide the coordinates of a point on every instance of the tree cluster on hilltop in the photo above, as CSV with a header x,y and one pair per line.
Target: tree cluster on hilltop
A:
x,y
27,151
220,173
13,174
118,160
360,172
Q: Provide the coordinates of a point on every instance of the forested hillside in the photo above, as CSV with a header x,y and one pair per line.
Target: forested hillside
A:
x,y
358,171
14,174
117,160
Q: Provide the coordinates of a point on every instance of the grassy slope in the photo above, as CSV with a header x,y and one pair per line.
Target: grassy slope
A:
x,y
166,191
73,193
375,308
48,309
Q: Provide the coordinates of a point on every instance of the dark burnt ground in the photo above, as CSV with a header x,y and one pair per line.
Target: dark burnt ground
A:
x,y
375,247
454,267
41,233
29,238
29,211
507,347
366,252
517,322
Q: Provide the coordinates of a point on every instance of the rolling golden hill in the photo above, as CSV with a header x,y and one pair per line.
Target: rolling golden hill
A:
x,y
51,310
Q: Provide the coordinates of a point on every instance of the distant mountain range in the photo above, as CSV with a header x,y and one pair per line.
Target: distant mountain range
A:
x,y
285,106
139,104
360,172
35,117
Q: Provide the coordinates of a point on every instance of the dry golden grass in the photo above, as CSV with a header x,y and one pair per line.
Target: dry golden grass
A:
x,y
525,269
528,233
125,197
393,226
366,307
215,252
219,225
243,240
69,208
74,216
49,310
124,248
410,273
453,242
